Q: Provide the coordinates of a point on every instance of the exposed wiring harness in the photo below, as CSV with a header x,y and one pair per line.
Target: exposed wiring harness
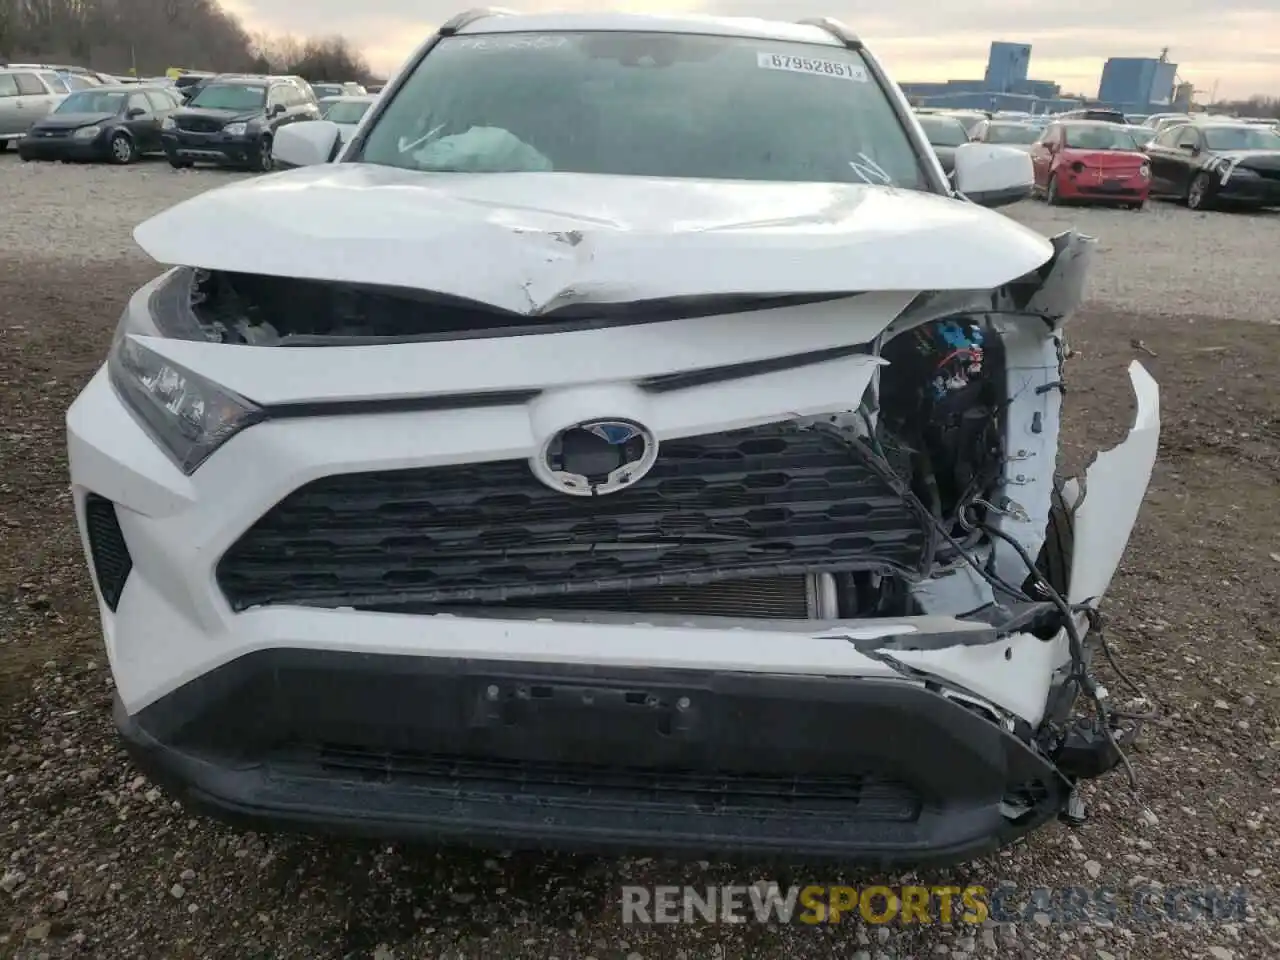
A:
x,y
871,452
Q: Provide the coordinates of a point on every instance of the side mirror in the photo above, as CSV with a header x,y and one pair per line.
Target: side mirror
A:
x,y
992,175
276,110
305,144
136,112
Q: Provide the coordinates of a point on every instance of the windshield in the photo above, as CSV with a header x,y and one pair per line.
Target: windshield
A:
x,y
1242,137
1103,136
645,104
348,111
92,101
228,96
944,131
1012,133
327,89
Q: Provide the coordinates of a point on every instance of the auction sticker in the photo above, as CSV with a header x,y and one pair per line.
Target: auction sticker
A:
x,y
820,68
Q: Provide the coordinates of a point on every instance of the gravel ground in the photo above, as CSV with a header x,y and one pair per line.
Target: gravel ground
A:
x,y
98,863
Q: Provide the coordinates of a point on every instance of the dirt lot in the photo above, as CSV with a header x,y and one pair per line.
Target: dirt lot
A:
x,y
97,863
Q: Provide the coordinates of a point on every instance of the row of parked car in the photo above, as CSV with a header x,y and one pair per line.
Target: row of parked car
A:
x,y
1107,157
223,119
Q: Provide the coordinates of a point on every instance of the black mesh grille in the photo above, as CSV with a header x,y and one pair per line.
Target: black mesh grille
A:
x,y
756,503
858,796
111,560
774,598
199,124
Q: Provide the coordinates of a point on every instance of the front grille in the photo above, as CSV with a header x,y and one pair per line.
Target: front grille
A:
x,y
199,124
858,796
111,560
775,598
763,502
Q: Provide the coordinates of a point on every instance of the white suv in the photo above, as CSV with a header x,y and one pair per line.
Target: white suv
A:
x,y
633,439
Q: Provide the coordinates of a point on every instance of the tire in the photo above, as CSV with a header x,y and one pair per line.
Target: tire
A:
x,y
1051,192
1054,562
1198,193
1137,206
122,149
264,162
4,145
179,164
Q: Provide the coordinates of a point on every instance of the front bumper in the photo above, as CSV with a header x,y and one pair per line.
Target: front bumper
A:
x,y
1258,191
1104,189
219,148
523,753
62,148
370,720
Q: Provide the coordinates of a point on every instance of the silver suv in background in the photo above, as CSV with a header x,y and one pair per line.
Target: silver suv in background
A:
x,y
26,95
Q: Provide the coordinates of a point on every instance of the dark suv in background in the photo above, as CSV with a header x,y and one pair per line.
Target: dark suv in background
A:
x,y
233,119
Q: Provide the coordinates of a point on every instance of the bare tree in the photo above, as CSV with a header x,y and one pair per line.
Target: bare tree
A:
x,y
150,36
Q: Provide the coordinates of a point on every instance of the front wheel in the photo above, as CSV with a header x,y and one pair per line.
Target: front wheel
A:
x,y
179,164
4,145
265,163
1198,193
122,149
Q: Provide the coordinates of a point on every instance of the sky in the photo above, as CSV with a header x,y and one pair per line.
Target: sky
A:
x,y
1230,45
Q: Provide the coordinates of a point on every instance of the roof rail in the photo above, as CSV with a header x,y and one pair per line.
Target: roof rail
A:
x,y
836,29
469,17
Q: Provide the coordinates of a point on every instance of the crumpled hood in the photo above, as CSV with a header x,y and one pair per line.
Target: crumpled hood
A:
x,y
528,242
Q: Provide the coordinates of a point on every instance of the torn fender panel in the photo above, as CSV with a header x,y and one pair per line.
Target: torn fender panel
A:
x,y
1115,485
1063,280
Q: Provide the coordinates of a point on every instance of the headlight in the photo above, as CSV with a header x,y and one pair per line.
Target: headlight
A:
x,y
87,133
234,129
1144,171
187,415
168,123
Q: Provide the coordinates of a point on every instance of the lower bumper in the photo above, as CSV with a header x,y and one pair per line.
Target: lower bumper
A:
x,y
213,148
1119,191
589,758
33,149
1258,192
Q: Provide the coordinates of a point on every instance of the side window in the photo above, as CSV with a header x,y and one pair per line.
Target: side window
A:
x,y
275,96
290,96
8,86
1188,137
1168,137
160,102
139,101
29,85
55,83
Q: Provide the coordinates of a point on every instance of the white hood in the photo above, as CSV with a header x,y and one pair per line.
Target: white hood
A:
x,y
528,242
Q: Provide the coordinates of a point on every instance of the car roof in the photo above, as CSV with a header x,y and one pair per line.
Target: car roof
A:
x,y
749,27
1082,122
124,88
350,98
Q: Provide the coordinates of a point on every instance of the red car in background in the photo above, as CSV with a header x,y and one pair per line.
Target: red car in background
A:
x,y
1091,161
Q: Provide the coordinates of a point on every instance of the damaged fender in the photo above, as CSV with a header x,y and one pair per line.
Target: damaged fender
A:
x,y
1115,485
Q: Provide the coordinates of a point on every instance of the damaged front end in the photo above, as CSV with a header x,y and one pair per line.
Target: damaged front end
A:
x,y
763,570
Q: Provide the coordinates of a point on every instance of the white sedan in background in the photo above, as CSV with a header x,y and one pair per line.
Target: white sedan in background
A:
x,y
346,112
